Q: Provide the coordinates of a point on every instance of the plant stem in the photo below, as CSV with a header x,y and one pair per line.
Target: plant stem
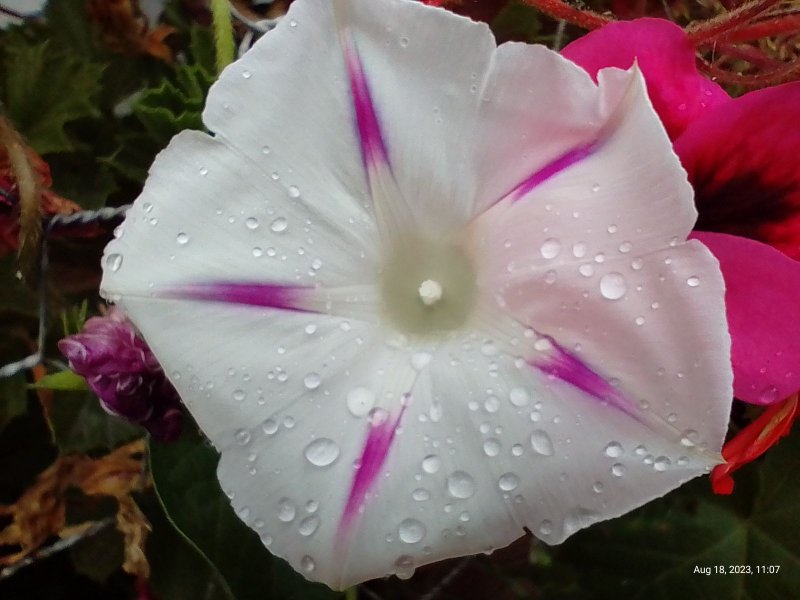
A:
x,y
223,33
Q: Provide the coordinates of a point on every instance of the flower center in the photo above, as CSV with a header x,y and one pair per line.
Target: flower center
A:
x,y
427,286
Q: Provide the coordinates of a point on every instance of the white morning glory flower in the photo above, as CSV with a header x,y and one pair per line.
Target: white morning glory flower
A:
x,y
423,292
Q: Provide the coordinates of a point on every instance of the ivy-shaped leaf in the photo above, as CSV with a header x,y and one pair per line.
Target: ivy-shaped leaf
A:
x,y
46,88
79,424
693,544
174,105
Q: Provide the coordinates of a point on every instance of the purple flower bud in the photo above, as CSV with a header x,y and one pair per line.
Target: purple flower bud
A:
x,y
120,368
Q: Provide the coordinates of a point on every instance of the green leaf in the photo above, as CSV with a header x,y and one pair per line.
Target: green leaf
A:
x,y
179,571
652,553
185,478
13,398
518,22
53,89
79,424
63,380
174,105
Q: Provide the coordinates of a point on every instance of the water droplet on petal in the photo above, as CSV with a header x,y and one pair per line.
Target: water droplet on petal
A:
x,y
693,281
586,270
551,248
293,191
546,527
308,526
360,401
279,225
492,447
182,239
307,564
460,485
541,443
411,531
312,381
614,450
286,510
508,482
251,223
114,262
242,437
618,469
322,452
404,567
519,396
613,286
661,463
420,494
431,464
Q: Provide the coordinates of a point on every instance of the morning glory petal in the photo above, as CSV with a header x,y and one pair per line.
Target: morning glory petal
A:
x,y
354,295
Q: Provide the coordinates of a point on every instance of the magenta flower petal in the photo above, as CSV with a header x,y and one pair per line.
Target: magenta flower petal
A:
x,y
742,160
763,315
667,60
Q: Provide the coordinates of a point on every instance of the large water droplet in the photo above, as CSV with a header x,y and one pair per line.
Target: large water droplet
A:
x,y
360,401
541,443
307,564
618,469
182,239
251,223
420,494
460,485
519,396
551,248
294,191
693,281
661,463
508,482
614,450
613,286
286,510
114,262
431,464
308,526
312,381
404,567
322,452
279,225
411,531
492,447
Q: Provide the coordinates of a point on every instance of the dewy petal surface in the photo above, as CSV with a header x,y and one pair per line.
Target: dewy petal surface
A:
x,y
666,57
251,264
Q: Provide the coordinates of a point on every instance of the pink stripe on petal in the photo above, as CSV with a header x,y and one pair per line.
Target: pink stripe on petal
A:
x,y
553,168
251,294
568,368
373,148
373,455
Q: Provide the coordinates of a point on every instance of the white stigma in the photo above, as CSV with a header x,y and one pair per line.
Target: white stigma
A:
x,y
430,292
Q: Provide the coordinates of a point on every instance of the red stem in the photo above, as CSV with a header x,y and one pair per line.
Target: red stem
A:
x,y
766,78
784,25
563,11
707,32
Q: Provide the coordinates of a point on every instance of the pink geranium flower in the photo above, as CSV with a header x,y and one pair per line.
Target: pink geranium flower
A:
x,y
423,292
743,159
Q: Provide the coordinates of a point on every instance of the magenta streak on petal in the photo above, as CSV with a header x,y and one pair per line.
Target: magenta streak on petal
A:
x,y
373,455
373,148
553,168
251,294
570,369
